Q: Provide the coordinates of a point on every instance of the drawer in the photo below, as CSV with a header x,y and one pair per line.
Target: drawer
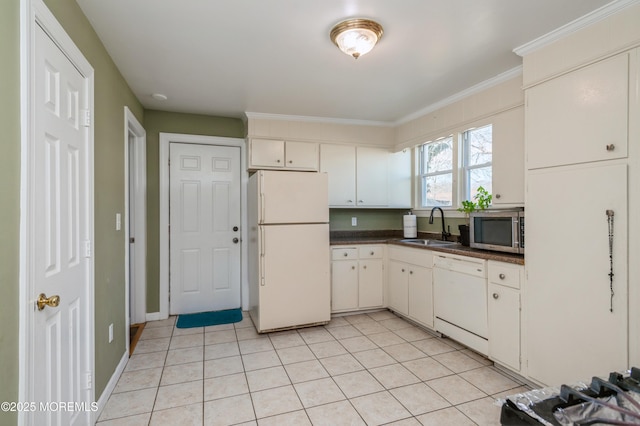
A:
x,y
505,274
371,252
350,253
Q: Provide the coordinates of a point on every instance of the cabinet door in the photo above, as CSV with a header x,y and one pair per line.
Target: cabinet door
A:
x,y
504,325
370,284
571,333
301,155
398,287
400,179
508,158
339,162
344,285
266,153
372,175
573,118
421,295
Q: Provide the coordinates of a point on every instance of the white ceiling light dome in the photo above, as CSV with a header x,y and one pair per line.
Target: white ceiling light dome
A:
x,y
356,37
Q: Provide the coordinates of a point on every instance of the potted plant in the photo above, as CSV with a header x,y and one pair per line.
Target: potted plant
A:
x,y
481,201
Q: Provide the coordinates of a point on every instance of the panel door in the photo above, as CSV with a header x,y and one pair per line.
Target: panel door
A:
x,y
339,162
421,295
301,155
344,285
573,118
205,221
297,288
398,287
60,227
372,177
568,293
266,153
504,325
371,284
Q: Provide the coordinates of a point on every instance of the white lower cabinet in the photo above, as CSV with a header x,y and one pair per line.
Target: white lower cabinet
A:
x,y
357,277
410,285
504,314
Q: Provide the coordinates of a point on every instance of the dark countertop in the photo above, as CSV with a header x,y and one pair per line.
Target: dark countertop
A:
x,y
377,237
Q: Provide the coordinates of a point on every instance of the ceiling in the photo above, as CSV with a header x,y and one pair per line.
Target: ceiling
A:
x,y
227,57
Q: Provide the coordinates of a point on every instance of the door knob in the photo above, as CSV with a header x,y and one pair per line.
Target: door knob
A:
x,y
235,229
235,240
43,301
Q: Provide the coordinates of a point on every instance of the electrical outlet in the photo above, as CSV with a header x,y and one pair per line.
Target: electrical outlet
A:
x,y
354,221
110,333
118,221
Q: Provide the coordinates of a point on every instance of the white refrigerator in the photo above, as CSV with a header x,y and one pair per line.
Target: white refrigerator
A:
x,y
289,264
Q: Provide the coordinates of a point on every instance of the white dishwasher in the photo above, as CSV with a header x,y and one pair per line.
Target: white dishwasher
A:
x,y
460,299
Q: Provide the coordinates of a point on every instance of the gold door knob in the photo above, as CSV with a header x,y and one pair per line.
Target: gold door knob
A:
x,y
43,301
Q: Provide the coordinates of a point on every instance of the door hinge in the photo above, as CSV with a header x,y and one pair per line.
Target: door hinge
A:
x,y
87,248
85,117
89,380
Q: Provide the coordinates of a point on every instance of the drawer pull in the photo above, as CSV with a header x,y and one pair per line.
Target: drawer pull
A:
x,y
346,254
611,147
353,267
502,276
364,267
402,270
372,253
411,272
496,296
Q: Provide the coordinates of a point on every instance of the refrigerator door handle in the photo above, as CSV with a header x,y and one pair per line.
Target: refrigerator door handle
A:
x,y
261,189
262,252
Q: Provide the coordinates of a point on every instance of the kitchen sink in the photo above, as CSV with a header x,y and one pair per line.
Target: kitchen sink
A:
x,y
430,243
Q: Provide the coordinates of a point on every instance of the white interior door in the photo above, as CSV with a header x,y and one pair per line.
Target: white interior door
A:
x,y
204,217
132,230
61,224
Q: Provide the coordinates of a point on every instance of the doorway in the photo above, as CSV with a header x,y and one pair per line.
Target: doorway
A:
x,y
166,141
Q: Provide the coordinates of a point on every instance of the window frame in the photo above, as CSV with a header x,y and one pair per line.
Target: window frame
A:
x,y
452,171
465,168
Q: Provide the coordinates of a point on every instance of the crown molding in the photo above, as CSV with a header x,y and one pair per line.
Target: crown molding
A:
x,y
574,26
311,119
494,81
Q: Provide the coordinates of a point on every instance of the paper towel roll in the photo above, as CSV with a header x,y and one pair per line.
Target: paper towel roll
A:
x,y
410,225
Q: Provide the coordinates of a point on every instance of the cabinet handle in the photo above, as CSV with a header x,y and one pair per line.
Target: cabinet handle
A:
x,y
346,254
290,161
611,147
278,160
372,253
403,270
360,201
502,276
498,196
496,296
364,267
411,272
349,201
353,267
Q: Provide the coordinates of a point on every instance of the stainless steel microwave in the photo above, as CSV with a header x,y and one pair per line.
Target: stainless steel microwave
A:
x,y
498,230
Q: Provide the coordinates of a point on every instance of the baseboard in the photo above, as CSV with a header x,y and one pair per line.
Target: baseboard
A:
x,y
155,316
106,393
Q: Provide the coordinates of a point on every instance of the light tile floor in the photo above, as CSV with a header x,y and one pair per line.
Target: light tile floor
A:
x,y
361,369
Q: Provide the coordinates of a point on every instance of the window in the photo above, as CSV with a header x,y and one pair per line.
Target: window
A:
x,y
476,163
451,169
436,173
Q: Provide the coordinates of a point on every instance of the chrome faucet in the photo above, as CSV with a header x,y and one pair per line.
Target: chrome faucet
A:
x,y
445,234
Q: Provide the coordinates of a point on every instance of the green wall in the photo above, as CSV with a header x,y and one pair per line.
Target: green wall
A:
x,y
112,94
10,201
391,219
156,122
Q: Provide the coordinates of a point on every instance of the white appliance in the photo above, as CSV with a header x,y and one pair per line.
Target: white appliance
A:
x,y
460,295
289,255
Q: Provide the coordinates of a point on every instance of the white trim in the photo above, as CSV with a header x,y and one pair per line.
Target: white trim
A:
x,y
480,87
165,139
113,381
574,26
133,126
310,119
34,13
154,316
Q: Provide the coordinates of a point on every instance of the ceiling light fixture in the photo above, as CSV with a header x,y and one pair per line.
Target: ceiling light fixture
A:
x,y
159,97
356,37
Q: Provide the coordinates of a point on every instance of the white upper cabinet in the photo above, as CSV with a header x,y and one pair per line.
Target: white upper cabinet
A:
x,y
279,154
579,117
339,162
508,158
372,168
366,177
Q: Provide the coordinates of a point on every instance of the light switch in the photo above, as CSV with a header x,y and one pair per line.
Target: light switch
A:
x,y
118,221
354,221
